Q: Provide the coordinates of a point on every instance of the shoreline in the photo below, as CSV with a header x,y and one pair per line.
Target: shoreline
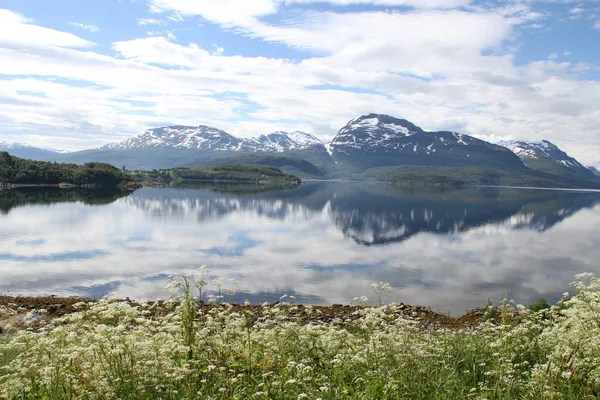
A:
x,y
57,307
127,185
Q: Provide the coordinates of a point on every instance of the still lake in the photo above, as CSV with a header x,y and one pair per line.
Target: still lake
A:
x,y
323,242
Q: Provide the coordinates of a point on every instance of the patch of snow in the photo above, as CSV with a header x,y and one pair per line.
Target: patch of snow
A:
x,y
397,129
459,137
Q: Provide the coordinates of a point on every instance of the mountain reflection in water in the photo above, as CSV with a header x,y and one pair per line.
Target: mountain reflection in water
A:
x,y
323,242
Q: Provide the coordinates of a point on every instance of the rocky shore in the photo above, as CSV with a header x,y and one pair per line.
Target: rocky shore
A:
x,y
17,311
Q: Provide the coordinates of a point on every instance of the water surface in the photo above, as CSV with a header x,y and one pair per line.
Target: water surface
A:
x,y
322,242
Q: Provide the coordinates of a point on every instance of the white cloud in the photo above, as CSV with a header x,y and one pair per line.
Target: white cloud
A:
x,y
442,69
218,50
18,30
148,21
225,11
443,4
89,27
597,24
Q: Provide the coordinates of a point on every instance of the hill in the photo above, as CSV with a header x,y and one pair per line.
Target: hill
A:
x,y
293,166
14,170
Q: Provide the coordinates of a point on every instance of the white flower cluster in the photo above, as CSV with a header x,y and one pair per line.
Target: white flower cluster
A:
x,y
114,349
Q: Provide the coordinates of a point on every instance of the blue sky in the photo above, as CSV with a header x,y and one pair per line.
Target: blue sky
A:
x,y
77,74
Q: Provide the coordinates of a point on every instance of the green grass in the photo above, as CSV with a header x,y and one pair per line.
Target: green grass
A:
x,y
224,173
116,350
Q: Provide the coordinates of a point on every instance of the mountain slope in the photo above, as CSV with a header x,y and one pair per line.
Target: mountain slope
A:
x,y
595,171
295,166
546,157
377,140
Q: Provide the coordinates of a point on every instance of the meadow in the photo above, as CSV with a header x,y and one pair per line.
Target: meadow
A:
x,y
181,349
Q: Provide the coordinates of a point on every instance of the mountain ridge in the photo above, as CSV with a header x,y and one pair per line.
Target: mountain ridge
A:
x,y
370,142
27,151
203,137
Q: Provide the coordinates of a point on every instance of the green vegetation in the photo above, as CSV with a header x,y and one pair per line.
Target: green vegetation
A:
x,y
549,167
542,304
427,180
225,173
15,170
184,350
290,165
422,175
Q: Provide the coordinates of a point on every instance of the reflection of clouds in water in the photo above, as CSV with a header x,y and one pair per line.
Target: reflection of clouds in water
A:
x,y
274,246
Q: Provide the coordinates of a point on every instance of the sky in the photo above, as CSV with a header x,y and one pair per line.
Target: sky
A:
x,y
79,74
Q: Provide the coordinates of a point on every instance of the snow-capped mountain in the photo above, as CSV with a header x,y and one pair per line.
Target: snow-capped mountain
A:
x,y
542,149
374,130
284,141
22,150
547,157
179,138
377,140
208,138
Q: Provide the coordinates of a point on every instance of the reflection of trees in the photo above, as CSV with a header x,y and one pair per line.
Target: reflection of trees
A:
x,y
19,197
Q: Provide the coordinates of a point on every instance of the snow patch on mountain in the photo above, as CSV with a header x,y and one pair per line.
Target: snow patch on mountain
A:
x,y
539,150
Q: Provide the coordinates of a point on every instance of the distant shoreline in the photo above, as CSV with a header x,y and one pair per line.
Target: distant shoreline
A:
x,y
125,185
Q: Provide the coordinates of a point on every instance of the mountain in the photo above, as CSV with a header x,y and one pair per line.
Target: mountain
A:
x,y
546,157
377,140
174,146
29,152
283,141
208,138
370,147
179,138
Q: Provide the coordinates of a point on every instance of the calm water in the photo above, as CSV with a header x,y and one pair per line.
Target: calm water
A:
x,y
322,242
